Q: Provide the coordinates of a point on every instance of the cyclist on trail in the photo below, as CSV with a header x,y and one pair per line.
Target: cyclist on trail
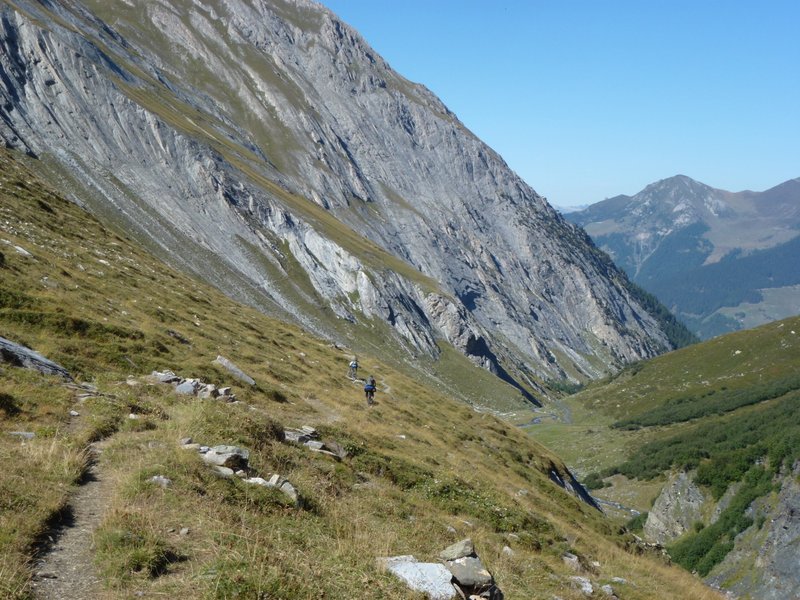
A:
x,y
369,390
353,370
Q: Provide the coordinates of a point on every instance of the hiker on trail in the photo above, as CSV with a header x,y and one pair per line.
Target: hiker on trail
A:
x,y
353,370
369,390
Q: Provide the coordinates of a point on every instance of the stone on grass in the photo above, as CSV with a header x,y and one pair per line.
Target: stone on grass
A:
x,y
232,457
432,579
607,590
74,413
223,471
279,483
583,584
165,377
162,481
22,356
187,388
195,447
572,561
25,435
186,440
184,531
469,571
458,550
234,370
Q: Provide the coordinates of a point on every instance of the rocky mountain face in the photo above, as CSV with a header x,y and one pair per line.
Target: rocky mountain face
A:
x,y
763,561
265,147
720,260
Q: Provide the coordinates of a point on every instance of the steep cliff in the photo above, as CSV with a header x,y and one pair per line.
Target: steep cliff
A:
x,y
268,149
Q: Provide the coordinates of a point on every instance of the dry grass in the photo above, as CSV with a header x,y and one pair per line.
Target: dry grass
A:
x,y
421,464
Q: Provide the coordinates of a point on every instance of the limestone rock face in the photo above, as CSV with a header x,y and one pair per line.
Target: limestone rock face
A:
x,y
265,147
676,509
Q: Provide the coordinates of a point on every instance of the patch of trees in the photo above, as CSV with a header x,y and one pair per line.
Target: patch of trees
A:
x,y
714,402
724,449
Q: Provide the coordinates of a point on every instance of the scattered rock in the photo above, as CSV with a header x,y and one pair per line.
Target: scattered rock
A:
x,y
188,387
133,416
223,471
470,577
231,457
583,584
162,481
21,356
186,441
208,391
508,551
608,590
458,550
184,531
572,561
279,483
74,413
469,572
234,370
26,435
432,579
165,377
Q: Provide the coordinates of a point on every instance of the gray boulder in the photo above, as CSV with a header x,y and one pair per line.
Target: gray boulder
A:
x,y
21,356
279,483
165,377
231,457
458,550
432,579
469,572
188,387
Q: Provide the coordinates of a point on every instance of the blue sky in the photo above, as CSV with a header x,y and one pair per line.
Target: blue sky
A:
x,y
590,99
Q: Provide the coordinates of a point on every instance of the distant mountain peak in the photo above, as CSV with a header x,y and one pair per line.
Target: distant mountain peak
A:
x,y
677,228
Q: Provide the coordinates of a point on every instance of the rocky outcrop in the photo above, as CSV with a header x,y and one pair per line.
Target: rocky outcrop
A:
x,y
268,149
764,563
676,510
564,478
22,356
460,574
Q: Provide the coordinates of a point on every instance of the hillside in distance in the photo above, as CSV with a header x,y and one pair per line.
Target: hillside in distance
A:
x,y
721,261
266,148
704,444
102,494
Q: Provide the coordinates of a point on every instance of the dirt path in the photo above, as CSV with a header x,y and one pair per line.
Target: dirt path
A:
x,y
64,567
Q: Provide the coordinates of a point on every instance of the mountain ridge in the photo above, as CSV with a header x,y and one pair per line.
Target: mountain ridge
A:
x,y
269,139
678,230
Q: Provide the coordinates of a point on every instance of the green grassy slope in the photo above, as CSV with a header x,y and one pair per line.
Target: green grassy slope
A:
x,y
423,469
726,408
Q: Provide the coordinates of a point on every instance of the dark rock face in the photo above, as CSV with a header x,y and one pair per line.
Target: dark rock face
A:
x,y
266,148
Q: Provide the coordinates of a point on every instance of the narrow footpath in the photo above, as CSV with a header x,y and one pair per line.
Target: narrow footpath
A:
x,y
64,567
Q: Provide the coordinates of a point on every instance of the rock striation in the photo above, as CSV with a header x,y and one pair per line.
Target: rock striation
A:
x,y
265,147
22,356
678,507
